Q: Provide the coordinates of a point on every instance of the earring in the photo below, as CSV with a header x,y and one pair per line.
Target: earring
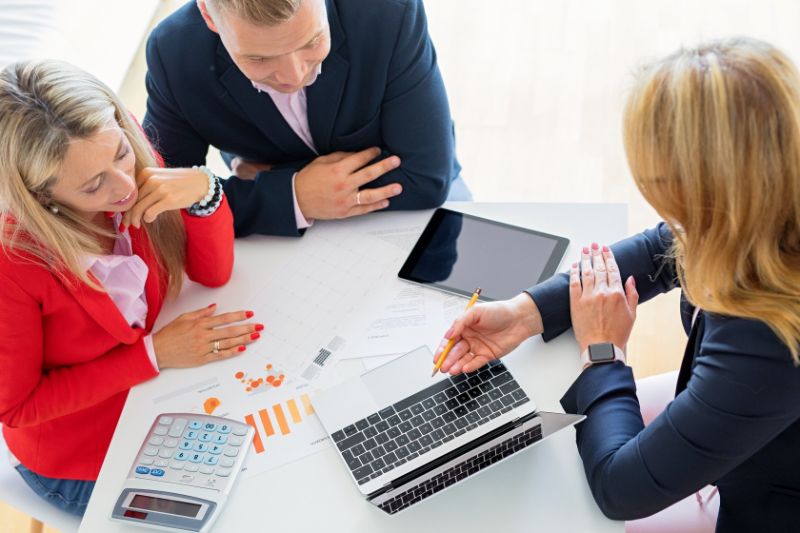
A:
x,y
53,209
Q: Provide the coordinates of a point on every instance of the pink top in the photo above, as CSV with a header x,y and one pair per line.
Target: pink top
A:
x,y
123,275
294,109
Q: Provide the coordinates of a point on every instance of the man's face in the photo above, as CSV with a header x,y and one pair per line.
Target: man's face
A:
x,y
285,57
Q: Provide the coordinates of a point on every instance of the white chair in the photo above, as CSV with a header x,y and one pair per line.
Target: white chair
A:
x,y
16,493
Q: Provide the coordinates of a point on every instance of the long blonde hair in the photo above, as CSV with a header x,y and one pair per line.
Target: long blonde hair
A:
x,y
43,106
712,136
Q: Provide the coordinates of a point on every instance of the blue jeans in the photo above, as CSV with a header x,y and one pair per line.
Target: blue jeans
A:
x,y
70,495
459,192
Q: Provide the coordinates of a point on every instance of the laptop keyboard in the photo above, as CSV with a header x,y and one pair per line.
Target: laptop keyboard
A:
x,y
460,471
433,416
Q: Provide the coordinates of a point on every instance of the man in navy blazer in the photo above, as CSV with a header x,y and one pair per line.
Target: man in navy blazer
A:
x,y
324,108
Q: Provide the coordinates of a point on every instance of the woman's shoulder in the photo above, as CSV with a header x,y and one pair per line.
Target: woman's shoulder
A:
x,y
743,336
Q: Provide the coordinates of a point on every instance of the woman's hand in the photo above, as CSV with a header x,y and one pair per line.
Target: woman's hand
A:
x,y
489,331
165,189
190,339
602,309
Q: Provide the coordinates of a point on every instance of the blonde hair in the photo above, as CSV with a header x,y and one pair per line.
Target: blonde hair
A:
x,y
712,136
43,106
266,12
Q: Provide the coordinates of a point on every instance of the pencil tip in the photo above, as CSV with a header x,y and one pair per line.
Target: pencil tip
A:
x,y
433,373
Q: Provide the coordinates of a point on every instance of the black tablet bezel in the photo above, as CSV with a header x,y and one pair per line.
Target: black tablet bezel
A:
x,y
430,229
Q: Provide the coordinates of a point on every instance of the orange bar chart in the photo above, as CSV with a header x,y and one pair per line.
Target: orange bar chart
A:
x,y
277,420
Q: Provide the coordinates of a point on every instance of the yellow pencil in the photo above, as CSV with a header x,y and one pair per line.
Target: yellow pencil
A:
x,y
450,342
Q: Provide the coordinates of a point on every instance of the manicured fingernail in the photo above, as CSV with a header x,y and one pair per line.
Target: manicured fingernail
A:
x,y
586,249
395,162
448,333
121,227
259,327
606,249
249,314
574,265
110,214
255,336
212,305
241,348
595,246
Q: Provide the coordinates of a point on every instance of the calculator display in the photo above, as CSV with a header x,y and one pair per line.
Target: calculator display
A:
x,y
165,506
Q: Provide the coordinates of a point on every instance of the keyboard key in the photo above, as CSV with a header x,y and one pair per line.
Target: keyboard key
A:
x,y
519,394
509,387
370,431
402,452
349,442
223,472
157,472
439,410
369,444
380,438
438,434
449,429
235,441
215,449
463,387
366,457
440,397
156,441
458,411
472,405
170,443
142,470
211,460
177,465
227,463
165,420
209,426
190,435
165,453
405,427
507,400
402,440
417,421
452,403
390,458
463,398
484,412
181,456
502,378
390,446
378,464
485,375
178,426
201,447
424,429
161,463
438,422
386,413
338,436
350,430
151,450
195,424
358,449
417,409
240,430
220,439
362,472
474,381
205,469
160,430
224,429
414,434
459,378
393,433
394,420
405,414
484,400
191,468
362,424
146,460
461,423
382,426
196,457
414,447
429,403
378,451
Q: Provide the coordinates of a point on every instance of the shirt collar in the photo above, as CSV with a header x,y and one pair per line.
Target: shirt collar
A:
x,y
260,87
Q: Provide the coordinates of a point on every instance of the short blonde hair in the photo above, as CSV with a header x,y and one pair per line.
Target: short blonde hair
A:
x,y
266,12
712,136
44,105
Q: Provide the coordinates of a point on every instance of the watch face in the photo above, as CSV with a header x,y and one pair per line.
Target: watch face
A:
x,y
601,353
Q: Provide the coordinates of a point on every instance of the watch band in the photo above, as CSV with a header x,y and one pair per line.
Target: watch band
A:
x,y
619,355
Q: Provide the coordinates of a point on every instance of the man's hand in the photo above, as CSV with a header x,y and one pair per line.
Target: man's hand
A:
x,y
329,186
247,170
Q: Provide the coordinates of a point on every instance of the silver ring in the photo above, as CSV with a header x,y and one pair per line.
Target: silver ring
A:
x,y
358,198
215,349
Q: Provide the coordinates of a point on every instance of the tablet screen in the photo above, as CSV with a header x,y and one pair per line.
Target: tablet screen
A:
x,y
458,253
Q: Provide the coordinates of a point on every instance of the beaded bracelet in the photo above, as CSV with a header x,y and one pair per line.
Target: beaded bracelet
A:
x,y
213,198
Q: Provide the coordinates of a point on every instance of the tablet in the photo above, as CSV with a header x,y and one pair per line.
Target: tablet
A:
x,y
458,252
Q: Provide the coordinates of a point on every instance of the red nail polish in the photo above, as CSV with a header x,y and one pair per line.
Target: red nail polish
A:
x,y
121,227
212,305
241,348
606,249
574,265
255,336
259,327
110,214
586,249
249,314
594,246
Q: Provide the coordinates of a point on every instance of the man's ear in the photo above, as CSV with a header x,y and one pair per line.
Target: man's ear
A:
x,y
201,5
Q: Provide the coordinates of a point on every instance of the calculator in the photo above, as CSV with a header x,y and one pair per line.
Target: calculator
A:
x,y
183,472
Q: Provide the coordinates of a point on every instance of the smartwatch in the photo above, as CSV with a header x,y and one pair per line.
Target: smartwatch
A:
x,y
600,353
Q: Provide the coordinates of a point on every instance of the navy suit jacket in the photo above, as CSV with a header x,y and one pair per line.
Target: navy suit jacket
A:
x,y
380,86
734,421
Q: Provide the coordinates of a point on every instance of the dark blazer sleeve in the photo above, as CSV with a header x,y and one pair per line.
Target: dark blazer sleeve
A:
x,y
643,256
742,394
415,118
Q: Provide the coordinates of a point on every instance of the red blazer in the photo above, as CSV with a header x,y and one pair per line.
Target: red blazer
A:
x,y
68,357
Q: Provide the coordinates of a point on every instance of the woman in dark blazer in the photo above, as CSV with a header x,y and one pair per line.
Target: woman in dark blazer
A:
x,y
712,136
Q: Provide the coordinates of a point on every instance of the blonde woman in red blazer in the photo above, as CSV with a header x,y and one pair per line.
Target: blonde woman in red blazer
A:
x,y
94,237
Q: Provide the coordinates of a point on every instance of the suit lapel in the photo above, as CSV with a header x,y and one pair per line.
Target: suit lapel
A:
x,y
260,109
325,95
692,347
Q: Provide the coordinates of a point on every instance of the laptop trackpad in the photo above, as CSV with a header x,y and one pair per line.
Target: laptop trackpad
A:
x,y
401,377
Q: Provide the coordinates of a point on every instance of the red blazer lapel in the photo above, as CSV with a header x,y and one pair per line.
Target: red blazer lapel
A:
x,y
156,285
102,309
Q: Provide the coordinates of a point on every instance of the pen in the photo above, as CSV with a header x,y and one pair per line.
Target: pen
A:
x,y
450,342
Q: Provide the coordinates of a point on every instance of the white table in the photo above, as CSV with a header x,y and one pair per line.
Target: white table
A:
x,y
542,489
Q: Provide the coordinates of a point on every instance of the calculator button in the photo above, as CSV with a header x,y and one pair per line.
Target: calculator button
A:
x,y
146,460
190,435
211,460
208,426
240,431
216,449
176,465
165,420
161,463
177,427
187,478
201,446
156,441
170,443
221,439
235,441
165,453
190,467
195,424
185,445
157,472
181,456
227,463
142,470
160,430
205,437
206,469
231,452
196,457
224,429
223,472
151,450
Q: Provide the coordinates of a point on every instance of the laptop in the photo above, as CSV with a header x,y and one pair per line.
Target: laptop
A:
x,y
404,436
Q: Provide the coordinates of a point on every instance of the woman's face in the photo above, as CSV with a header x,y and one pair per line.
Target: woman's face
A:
x,y
98,174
